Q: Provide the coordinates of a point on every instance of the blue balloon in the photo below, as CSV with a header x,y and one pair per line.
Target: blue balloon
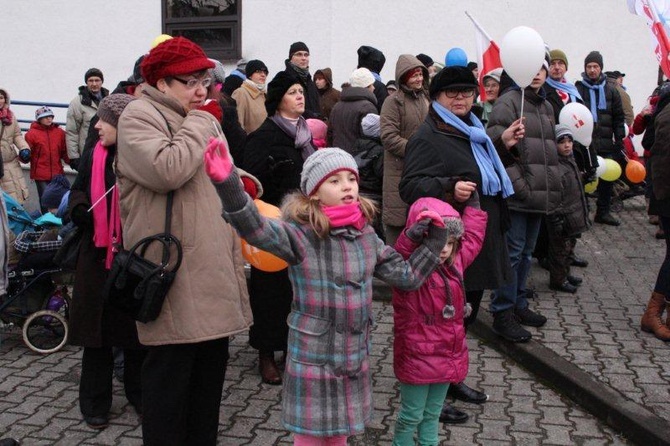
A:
x,y
456,57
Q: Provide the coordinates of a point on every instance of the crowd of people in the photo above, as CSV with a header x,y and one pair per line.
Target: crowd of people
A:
x,y
414,181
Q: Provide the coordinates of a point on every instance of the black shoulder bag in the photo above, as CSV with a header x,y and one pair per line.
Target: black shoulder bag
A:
x,y
137,286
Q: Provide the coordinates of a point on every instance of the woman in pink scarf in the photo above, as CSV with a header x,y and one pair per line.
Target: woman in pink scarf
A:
x,y
94,325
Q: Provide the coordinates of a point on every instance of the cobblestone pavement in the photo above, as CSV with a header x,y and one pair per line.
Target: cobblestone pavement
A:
x,y
597,329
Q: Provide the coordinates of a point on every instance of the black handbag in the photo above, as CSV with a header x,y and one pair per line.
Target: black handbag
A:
x,y
68,253
137,286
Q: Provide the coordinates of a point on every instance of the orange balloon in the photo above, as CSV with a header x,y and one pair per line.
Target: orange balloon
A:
x,y
263,260
635,171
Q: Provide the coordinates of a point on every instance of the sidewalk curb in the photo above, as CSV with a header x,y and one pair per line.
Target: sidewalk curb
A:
x,y
634,421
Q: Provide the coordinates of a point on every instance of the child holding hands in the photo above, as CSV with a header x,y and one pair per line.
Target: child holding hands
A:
x,y
333,253
429,348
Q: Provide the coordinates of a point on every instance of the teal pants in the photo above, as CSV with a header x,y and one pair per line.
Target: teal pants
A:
x,y
420,407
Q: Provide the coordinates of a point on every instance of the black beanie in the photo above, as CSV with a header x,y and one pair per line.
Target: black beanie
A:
x,y
253,66
93,72
295,47
452,77
278,87
136,77
425,59
594,56
54,191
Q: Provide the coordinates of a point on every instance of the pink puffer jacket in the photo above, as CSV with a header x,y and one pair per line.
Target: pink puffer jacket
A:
x,y
429,348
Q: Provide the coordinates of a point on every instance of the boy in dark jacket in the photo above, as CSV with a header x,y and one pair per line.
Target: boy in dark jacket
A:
x,y
570,220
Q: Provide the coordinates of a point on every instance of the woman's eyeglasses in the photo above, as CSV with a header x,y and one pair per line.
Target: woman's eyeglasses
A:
x,y
466,93
194,83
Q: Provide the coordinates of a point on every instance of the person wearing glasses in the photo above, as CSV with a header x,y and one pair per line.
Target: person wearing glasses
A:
x,y
80,112
531,160
449,157
162,138
298,64
250,97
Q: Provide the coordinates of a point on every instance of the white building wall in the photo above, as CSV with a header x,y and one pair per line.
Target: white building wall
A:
x,y
48,45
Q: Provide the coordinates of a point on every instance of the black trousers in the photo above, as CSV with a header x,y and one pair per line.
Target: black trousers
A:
x,y
270,296
182,386
561,250
95,387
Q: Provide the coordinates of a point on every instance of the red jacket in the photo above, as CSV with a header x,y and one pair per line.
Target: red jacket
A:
x,y
47,149
429,348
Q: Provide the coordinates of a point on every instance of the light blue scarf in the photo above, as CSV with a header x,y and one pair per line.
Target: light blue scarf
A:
x,y
376,76
600,87
570,89
494,177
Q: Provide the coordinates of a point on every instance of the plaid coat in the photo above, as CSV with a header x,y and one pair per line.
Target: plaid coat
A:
x,y
327,385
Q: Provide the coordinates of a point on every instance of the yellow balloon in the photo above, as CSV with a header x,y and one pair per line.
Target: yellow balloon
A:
x,y
160,39
590,188
612,170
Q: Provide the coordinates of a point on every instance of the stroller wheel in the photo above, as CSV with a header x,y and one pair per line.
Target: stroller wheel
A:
x,y
45,331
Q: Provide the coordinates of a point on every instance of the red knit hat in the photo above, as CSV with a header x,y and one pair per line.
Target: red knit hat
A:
x,y
405,77
172,57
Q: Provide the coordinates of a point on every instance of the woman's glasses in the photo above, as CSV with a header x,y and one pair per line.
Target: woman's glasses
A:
x,y
194,83
466,93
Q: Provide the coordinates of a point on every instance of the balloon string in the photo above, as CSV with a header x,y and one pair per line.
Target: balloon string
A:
x,y
523,91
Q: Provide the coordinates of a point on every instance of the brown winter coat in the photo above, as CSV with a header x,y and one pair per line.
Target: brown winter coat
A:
x,y
329,95
250,106
161,148
401,115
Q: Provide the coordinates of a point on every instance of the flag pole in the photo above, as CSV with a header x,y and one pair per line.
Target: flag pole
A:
x,y
478,26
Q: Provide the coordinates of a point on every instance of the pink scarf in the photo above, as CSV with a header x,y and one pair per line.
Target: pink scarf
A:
x,y
345,215
106,232
6,116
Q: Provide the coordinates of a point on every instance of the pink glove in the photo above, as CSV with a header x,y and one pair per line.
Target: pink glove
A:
x,y
217,160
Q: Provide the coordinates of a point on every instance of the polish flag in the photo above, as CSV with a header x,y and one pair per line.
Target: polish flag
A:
x,y
655,17
488,54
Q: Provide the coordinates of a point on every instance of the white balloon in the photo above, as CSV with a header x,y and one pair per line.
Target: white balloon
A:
x,y
602,167
522,53
580,120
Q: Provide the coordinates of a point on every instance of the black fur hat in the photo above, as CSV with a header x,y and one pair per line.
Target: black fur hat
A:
x,y
278,87
452,77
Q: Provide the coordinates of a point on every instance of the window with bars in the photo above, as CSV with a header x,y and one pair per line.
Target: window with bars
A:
x,y
212,24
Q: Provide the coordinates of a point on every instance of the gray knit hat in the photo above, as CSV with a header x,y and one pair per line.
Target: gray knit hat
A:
x,y
110,107
322,164
563,130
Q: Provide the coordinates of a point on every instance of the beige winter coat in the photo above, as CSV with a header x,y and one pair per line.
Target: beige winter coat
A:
x,y
401,114
13,182
79,114
250,106
208,299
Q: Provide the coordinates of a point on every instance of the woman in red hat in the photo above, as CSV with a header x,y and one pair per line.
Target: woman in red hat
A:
x,y
161,144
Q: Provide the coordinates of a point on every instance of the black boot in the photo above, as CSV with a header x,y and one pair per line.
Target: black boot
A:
x,y
451,415
463,392
528,317
506,325
606,219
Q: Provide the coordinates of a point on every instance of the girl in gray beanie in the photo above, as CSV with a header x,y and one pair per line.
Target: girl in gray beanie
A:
x,y
333,252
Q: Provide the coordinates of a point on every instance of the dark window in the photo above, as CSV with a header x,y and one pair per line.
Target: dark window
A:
x,y
212,24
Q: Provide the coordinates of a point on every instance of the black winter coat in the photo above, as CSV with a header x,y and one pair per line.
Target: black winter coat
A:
x,y
609,131
532,164
436,157
660,161
344,126
369,155
93,323
573,209
271,156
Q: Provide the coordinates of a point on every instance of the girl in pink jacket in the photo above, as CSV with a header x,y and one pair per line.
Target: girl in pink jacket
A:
x,y
429,349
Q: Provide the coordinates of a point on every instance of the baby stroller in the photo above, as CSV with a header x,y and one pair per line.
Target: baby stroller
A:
x,y
37,296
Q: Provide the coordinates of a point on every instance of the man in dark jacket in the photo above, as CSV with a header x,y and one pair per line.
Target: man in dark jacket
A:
x,y
374,60
608,126
298,63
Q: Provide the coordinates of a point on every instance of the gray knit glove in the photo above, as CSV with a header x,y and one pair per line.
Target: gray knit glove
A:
x,y
436,239
232,192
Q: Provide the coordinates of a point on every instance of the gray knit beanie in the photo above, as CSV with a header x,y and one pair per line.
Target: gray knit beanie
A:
x,y
562,130
322,164
110,107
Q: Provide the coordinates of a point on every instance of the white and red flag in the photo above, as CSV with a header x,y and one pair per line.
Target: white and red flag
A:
x,y
655,12
488,54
